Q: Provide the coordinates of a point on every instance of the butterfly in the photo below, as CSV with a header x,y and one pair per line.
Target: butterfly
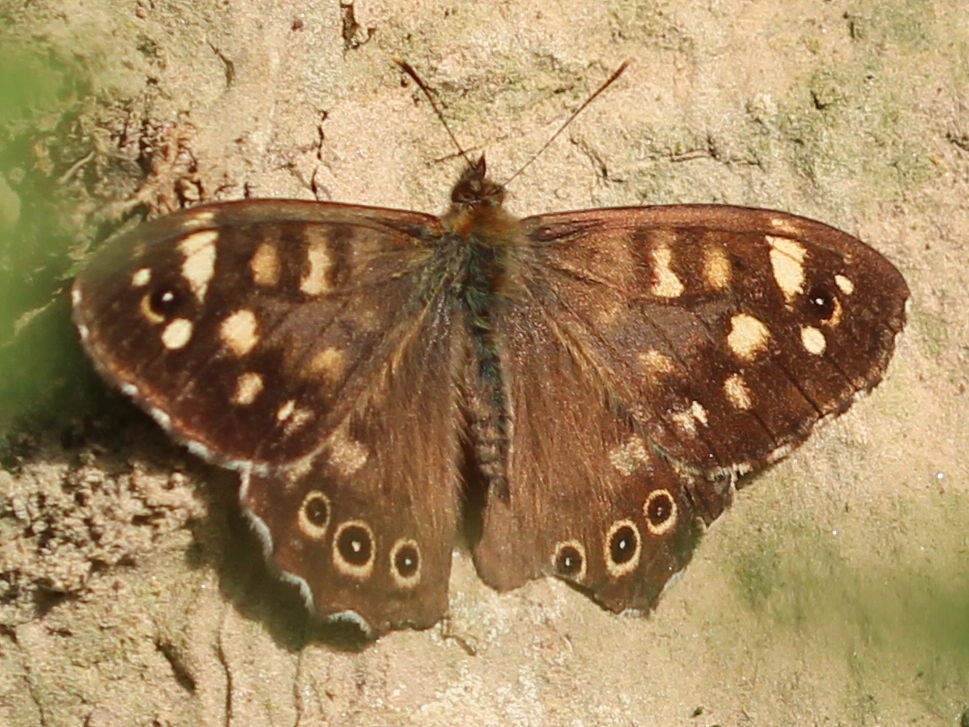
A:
x,y
579,391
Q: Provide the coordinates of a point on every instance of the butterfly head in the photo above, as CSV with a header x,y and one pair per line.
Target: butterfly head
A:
x,y
474,190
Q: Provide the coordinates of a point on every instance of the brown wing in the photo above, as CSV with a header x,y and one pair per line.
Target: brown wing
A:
x,y
295,342
367,525
725,332
250,329
587,499
651,354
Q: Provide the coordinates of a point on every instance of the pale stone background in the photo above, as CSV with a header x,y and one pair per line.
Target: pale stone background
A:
x,y
835,592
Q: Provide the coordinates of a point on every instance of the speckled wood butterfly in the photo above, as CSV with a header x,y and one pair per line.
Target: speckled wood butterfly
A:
x,y
585,386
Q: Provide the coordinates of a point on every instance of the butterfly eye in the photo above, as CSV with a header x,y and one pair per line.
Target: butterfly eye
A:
x,y
660,511
622,548
569,561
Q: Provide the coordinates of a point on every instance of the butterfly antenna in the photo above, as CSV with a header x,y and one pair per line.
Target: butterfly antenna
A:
x,y
408,69
603,87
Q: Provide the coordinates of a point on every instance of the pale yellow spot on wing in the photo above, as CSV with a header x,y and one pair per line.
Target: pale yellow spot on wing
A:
x,y
240,332
655,364
296,419
787,262
248,387
318,262
698,412
665,283
786,225
198,219
748,336
265,265
686,420
286,410
198,267
813,340
329,364
177,333
630,456
347,456
717,269
735,388
141,277
844,284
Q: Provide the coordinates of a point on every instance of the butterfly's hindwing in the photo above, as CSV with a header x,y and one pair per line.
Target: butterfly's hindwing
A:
x,y
588,499
367,523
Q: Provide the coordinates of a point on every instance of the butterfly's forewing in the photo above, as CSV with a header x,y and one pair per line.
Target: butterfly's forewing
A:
x,y
650,355
250,329
725,332
297,343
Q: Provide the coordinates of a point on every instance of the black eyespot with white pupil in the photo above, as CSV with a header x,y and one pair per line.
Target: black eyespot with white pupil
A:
x,y
821,303
317,511
569,561
660,511
355,545
407,561
314,514
622,545
166,302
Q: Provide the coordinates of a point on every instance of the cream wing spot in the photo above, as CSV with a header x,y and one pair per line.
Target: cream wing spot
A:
x,y
787,263
315,280
265,266
328,364
177,334
199,218
286,410
297,419
141,277
737,393
248,386
239,331
347,456
198,267
687,420
813,340
844,284
655,364
666,284
748,336
786,226
629,456
717,269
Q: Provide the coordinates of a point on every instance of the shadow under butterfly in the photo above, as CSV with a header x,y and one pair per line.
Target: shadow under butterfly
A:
x,y
600,378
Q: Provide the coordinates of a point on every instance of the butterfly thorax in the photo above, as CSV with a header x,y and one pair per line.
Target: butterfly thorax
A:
x,y
479,235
